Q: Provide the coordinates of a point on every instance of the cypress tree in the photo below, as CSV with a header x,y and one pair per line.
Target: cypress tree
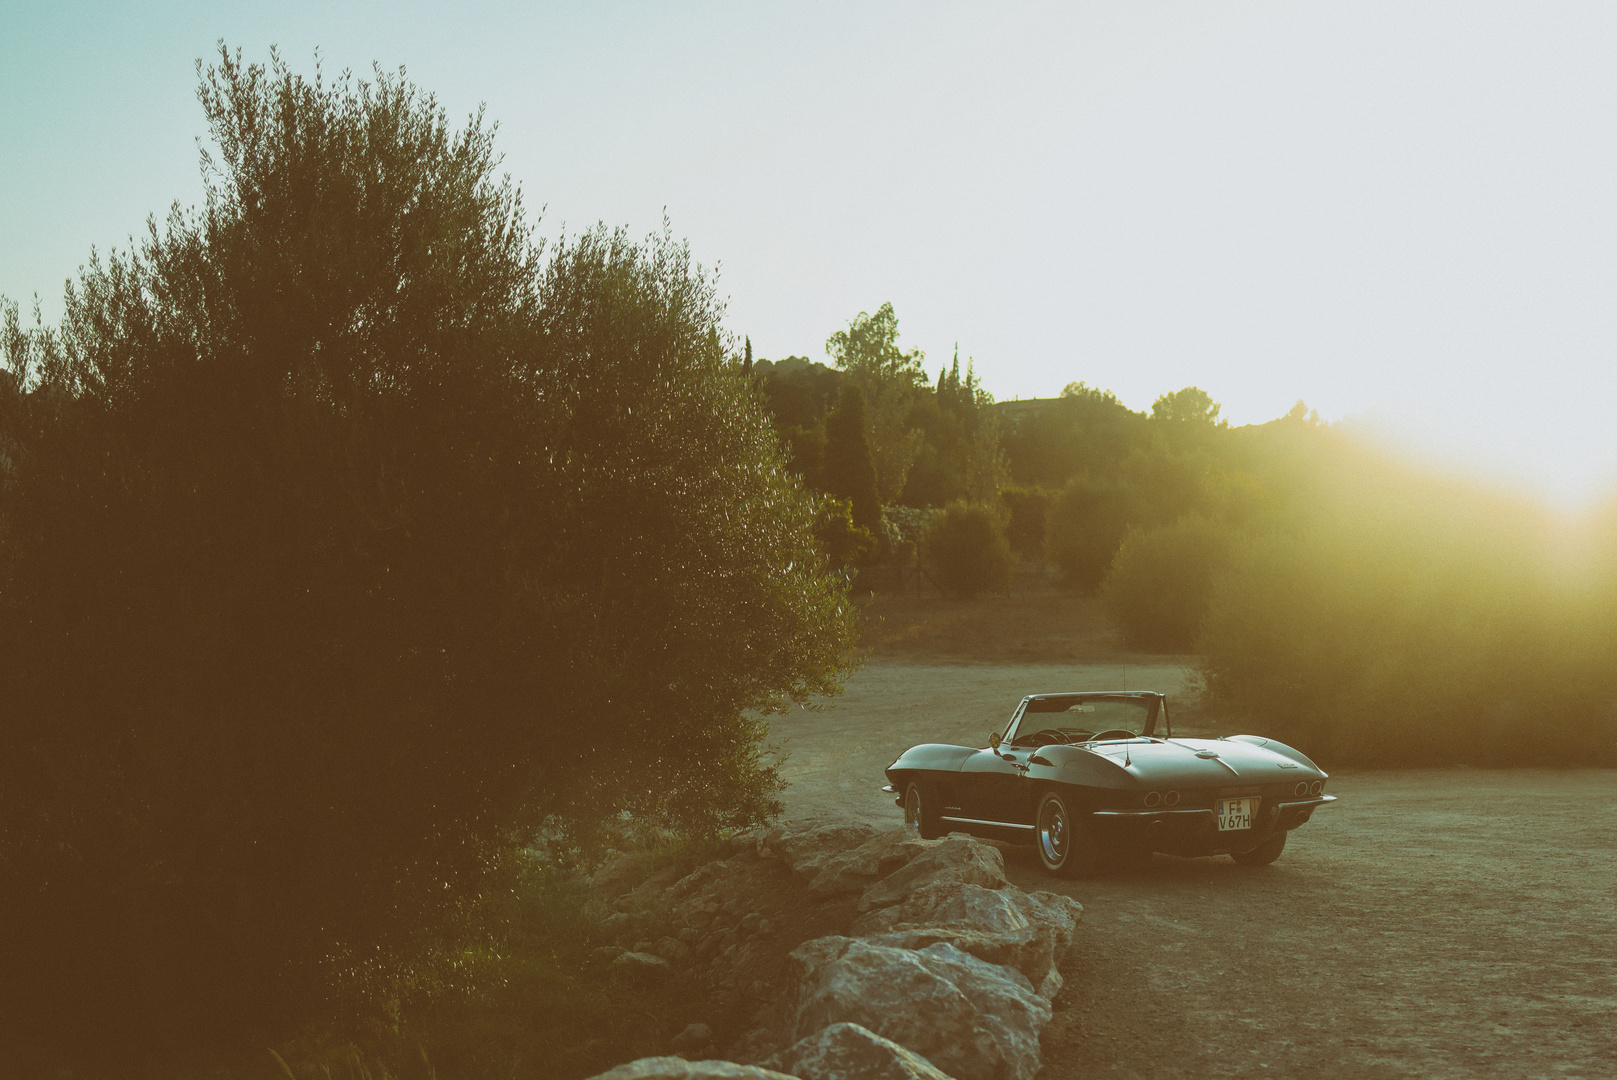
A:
x,y
850,470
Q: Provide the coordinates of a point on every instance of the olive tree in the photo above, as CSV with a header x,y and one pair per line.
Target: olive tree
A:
x,y
346,535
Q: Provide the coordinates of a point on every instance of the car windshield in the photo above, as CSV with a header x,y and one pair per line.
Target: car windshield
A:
x,y
1078,720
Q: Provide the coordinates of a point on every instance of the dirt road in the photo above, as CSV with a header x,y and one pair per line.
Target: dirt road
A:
x,y
1436,923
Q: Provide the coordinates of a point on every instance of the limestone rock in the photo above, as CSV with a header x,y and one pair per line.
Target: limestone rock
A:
x,y
755,1046
851,1052
676,1068
973,1019
694,1037
963,860
1028,931
641,966
672,949
855,869
805,847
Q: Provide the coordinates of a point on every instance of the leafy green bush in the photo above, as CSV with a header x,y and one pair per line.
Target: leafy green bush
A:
x,y
1083,529
843,542
342,539
965,546
1162,580
1415,620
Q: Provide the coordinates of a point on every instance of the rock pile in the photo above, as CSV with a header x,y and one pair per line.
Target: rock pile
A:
x,y
947,969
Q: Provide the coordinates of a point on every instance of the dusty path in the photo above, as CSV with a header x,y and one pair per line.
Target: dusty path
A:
x,y
1438,923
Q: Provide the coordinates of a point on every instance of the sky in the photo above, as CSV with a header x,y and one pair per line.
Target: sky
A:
x,y
1403,213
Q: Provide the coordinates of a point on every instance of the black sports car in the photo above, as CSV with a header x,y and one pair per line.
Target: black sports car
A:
x,y
1094,777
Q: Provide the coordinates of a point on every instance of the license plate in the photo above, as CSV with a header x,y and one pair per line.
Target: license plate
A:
x,y
1235,813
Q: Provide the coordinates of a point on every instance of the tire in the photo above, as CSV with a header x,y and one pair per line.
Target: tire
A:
x,y
1064,841
1264,854
921,810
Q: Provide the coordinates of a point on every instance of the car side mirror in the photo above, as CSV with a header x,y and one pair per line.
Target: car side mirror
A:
x,y
993,741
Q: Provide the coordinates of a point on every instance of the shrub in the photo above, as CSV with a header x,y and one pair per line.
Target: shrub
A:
x,y
1414,621
965,546
343,538
1162,580
1084,526
1028,510
843,542
849,471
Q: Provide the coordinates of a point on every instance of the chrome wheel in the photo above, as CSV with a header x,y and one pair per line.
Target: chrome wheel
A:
x,y
1053,837
912,808
1066,845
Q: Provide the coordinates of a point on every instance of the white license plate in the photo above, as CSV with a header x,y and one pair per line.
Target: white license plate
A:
x,y
1235,813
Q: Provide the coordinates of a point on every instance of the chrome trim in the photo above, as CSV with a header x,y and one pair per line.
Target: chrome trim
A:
x,y
1317,800
1150,813
979,821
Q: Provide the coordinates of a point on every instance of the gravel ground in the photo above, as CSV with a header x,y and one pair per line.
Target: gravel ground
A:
x,y
1433,923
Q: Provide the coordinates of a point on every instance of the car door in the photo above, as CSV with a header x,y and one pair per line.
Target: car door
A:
x,y
994,783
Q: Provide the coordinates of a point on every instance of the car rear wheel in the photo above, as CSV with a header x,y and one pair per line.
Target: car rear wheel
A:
x,y
1065,844
921,811
1264,854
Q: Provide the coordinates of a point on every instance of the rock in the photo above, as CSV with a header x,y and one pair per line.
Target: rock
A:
x,y
694,1037
641,966
755,1045
972,1019
1030,932
675,1068
687,934
606,952
750,921
855,869
693,881
808,846
746,842
851,1052
595,910
957,859
672,949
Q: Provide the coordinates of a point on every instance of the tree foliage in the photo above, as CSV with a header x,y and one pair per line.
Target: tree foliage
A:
x,y
849,473
1161,582
344,536
1085,430
965,546
868,353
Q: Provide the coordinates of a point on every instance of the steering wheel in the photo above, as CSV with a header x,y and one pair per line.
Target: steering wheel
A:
x,y
1046,737
1114,733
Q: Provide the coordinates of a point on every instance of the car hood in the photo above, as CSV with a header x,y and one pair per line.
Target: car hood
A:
x,y
1204,762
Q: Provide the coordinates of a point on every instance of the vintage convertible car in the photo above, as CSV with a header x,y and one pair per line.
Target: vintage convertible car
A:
x,y
1097,777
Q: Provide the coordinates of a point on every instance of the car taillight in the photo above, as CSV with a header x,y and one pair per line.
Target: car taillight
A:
x,y
1153,798
1319,785
1171,798
1302,788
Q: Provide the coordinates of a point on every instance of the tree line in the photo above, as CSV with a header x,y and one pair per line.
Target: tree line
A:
x,y
1373,610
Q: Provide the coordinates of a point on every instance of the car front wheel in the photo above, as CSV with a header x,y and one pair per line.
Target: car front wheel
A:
x,y
921,812
1264,854
1065,844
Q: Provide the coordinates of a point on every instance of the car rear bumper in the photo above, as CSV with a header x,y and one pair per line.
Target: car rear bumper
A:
x,y
1195,831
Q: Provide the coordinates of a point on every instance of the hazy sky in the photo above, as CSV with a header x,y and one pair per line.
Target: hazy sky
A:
x,y
1397,211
